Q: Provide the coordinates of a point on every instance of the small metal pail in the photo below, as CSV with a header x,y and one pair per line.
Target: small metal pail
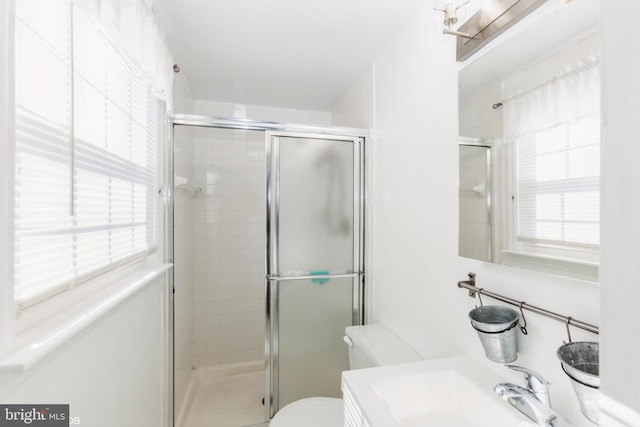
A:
x,y
496,327
581,362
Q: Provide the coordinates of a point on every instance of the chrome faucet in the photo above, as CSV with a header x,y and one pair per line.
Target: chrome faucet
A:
x,y
535,383
533,401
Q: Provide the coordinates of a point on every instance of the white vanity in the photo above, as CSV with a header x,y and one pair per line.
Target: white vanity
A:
x,y
449,392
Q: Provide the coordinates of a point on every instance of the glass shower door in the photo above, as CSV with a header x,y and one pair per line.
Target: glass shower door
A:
x,y
314,266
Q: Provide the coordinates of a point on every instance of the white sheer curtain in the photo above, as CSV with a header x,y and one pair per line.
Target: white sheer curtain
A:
x,y
573,94
131,28
554,129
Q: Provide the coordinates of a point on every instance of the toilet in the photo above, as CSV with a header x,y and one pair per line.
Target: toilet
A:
x,y
369,346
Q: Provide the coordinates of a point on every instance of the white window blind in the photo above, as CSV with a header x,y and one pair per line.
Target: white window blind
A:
x,y
85,153
556,131
558,185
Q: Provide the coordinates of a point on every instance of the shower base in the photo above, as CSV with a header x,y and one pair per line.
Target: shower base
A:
x,y
225,396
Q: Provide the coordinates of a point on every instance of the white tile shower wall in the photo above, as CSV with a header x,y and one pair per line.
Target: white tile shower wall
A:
x,y
228,246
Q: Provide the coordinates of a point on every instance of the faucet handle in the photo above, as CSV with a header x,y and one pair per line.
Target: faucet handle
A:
x,y
534,382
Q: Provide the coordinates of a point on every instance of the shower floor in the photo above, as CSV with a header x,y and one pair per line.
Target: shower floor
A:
x,y
226,396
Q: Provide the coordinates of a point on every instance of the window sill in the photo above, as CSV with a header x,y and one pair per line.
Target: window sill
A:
x,y
553,258
43,338
581,269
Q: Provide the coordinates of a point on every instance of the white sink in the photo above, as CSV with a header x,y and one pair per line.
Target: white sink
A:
x,y
451,392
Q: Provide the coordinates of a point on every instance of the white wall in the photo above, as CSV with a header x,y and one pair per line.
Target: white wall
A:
x,y
413,191
183,100
114,374
413,266
620,206
355,107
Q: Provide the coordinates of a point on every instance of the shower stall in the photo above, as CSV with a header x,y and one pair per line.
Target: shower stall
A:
x,y
268,231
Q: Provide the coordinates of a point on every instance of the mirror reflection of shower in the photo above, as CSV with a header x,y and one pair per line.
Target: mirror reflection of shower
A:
x,y
475,187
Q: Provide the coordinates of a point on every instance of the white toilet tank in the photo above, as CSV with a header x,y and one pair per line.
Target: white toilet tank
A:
x,y
375,345
369,346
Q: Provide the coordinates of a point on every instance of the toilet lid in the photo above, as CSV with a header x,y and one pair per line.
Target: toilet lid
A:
x,y
311,412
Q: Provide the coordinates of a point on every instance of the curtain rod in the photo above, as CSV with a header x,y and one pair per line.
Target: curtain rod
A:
x,y
470,285
583,65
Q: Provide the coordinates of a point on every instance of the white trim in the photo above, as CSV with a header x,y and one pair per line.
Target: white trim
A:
x,y
566,267
41,338
554,258
30,298
615,414
7,318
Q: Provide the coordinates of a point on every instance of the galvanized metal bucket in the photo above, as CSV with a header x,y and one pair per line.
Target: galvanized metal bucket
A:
x,y
581,362
496,327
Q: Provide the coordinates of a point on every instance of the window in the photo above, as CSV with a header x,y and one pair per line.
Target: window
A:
x,y
554,130
558,197
85,153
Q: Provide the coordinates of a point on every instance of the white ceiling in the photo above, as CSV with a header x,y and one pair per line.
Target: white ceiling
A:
x,y
287,53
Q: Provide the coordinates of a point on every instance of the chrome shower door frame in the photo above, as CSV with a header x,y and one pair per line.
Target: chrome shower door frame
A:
x,y
273,277
270,128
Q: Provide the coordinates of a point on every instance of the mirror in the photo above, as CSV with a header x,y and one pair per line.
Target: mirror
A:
x,y
475,237
554,40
